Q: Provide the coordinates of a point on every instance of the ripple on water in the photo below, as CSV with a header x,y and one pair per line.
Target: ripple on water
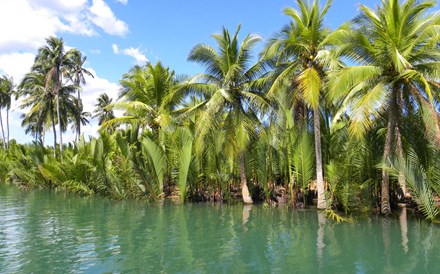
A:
x,y
43,232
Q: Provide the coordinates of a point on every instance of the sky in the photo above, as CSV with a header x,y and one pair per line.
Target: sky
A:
x,y
115,35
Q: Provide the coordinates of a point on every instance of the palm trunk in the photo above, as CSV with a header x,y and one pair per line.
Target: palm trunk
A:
x,y
247,199
54,134
3,131
385,190
79,108
399,151
319,176
59,123
398,141
7,127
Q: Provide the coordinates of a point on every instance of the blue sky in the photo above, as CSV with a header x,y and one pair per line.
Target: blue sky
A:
x,y
117,34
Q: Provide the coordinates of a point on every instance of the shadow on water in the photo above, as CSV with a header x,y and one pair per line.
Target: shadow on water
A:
x,y
47,232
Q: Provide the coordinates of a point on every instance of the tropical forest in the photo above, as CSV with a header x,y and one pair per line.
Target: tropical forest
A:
x,y
344,120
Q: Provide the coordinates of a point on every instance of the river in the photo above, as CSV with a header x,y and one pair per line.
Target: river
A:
x,y
52,232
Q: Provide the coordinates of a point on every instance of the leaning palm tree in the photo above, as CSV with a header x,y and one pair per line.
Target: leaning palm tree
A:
x,y
54,62
233,103
6,91
396,49
77,75
302,57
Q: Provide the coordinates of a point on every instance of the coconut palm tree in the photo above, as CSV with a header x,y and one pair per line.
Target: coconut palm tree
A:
x,y
6,91
102,110
395,48
149,96
39,104
302,57
42,105
233,102
54,62
77,75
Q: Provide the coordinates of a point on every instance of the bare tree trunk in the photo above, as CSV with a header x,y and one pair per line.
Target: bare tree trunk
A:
x,y
247,199
59,122
319,176
3,131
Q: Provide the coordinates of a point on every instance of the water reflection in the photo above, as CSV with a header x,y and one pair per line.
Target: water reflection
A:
x,y
404,229
44,232
246,214
320,239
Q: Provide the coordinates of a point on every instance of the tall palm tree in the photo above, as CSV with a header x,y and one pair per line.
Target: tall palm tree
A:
x,y
6,91
396,49
54,62
233,102
302,60
102,110
40,105
77,75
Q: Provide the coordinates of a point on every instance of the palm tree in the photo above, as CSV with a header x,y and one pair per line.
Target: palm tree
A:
x,y
6,91
77,75
396,49
54,62
102,110
40,105
233,103
149,96
302,59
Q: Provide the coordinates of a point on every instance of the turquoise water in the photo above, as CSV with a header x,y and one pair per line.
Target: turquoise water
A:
x,y
47,232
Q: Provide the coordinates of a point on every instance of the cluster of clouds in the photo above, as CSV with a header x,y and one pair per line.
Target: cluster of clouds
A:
x,y
136,53
25,24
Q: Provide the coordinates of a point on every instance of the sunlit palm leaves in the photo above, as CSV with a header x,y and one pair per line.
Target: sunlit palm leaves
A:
x,y
397,73
233,103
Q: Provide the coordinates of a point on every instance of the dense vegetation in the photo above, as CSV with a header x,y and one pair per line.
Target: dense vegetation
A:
x,y
350,115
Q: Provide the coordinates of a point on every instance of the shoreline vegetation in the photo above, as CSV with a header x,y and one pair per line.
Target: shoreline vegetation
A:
x,y
346,120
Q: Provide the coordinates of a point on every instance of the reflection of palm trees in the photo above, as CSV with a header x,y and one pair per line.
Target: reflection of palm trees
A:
x,y
246,213
320,239
386,238
404,229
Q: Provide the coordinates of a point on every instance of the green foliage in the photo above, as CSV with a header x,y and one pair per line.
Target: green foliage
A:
x,y
419,182
303,159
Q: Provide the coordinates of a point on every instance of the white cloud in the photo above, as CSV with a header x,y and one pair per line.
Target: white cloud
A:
x,y
17,33
16,64
25,24
123,2
94,87
115,49
103,17
135,53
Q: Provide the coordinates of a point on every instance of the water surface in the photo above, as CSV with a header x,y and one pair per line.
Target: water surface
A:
x,y
48,232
